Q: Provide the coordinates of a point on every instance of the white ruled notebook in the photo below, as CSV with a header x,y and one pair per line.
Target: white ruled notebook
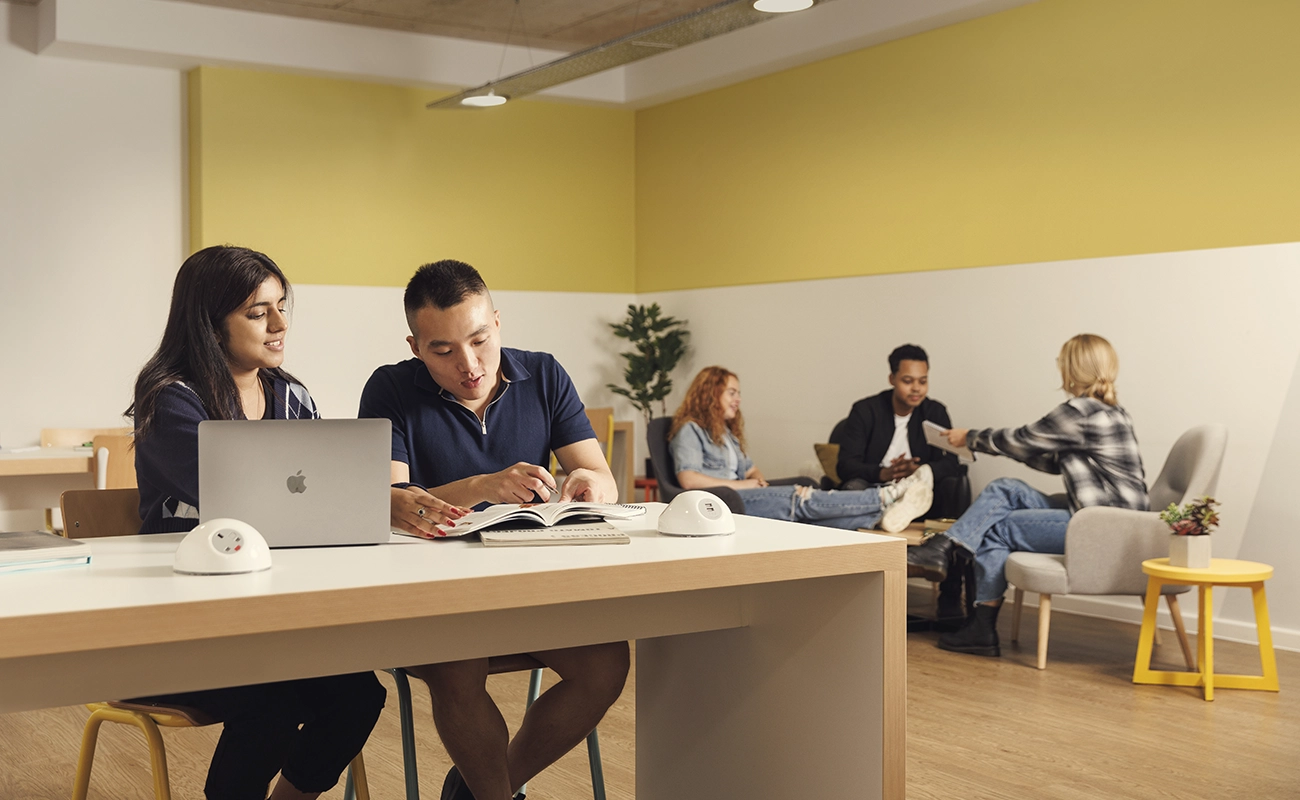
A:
x,y
581,533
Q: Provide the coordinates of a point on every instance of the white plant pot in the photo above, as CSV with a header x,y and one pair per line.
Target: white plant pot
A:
x,y
1192,552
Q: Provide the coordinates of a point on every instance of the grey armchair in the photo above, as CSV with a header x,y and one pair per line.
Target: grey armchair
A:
x,y
1105,547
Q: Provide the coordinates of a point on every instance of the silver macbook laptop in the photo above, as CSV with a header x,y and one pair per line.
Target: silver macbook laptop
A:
x,y
300,483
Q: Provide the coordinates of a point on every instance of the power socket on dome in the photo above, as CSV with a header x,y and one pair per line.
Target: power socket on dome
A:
x,y
222,547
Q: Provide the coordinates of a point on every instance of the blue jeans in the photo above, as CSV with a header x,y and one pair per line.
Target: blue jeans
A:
x,y
850,510
1009,515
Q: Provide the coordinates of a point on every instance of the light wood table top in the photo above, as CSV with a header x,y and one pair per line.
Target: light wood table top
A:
x,y
46,461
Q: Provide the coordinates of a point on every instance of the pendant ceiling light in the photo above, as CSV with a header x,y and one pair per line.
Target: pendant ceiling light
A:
x,y
782,6
697,26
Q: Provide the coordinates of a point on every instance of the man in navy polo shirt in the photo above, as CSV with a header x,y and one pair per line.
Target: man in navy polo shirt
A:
x,y
474,423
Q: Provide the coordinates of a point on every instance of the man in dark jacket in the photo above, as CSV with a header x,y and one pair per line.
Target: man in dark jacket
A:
x,y
882,440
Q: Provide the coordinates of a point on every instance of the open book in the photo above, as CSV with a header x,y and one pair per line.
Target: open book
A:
x,y
24,550
937,436
515,516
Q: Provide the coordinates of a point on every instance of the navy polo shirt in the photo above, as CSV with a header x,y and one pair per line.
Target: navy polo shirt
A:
x,y
536,411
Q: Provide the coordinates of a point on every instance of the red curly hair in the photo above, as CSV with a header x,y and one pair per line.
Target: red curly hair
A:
x,y
703,406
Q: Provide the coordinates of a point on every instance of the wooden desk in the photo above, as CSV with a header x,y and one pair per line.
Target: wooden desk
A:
x,y
770,664
47,461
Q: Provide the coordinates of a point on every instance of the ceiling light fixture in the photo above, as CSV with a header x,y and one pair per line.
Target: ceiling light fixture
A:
x,y
484,100
697,26
781,6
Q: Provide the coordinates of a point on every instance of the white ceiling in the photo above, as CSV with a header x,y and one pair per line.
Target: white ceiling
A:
x,y
359,42
555,24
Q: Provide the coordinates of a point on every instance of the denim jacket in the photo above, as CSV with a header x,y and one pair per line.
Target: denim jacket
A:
x,y
692,449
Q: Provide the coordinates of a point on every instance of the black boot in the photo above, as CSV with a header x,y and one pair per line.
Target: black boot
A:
x,y
950,611
979,636
930,559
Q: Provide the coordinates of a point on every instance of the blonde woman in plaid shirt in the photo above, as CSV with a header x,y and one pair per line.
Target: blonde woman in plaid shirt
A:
x,y
1088,440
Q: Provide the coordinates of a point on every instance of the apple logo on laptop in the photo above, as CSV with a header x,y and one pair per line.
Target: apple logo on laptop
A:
x,y
297,483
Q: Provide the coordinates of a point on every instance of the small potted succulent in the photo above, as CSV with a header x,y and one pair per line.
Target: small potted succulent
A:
x,y
1191,524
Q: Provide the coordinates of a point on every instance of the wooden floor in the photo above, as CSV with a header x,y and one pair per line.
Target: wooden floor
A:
x,y
977,728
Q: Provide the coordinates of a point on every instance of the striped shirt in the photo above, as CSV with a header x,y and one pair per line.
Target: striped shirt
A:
x,y
1091,445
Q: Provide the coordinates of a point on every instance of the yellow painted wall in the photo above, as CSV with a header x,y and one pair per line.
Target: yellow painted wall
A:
x,y
1062,129
356,183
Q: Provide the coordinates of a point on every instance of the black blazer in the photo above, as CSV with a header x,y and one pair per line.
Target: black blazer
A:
x,y
865,436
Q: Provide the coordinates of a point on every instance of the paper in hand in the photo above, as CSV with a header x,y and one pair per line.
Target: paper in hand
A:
x,y
937,436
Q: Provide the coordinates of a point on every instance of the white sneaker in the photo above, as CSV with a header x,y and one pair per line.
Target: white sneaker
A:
x,y
916,495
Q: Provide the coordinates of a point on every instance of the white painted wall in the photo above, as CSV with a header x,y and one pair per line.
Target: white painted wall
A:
x,y
91,200
1273,530
342,333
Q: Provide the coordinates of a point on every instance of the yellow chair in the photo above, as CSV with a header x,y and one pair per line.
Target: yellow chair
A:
x,y
76,437
1221,572
602,422
114,460
90,513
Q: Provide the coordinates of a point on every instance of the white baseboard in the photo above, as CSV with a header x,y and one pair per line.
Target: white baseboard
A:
x,y
1129,609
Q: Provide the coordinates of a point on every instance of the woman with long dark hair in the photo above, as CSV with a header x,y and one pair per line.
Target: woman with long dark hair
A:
x,y
707,441
220,358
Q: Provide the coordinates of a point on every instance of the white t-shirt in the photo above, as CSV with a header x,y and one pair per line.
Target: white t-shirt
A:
x,y
898,446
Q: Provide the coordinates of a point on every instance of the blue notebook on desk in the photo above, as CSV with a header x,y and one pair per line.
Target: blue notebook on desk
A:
x,y
27,550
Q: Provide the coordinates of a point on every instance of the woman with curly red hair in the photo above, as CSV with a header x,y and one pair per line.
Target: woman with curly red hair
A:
x,y
707,441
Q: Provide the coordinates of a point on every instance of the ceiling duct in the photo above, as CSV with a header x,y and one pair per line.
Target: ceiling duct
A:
x,y
697,26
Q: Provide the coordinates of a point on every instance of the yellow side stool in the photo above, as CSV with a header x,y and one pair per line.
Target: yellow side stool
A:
x,y
1221,572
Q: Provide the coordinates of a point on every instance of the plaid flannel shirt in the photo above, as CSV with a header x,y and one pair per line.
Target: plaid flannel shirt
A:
x,y
1089,444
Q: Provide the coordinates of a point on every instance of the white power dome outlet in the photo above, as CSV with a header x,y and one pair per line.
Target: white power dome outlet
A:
x,y
222,547
696,513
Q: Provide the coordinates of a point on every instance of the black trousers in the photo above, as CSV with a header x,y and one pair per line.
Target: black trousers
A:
x,y
309,730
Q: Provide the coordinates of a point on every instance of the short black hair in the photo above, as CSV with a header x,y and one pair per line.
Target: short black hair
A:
x,y
908,352
442,285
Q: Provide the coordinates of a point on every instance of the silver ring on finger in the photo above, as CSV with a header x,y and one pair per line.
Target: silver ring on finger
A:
x,y
420,511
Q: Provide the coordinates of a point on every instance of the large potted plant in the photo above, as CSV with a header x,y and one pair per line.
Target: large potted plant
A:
x,y
1190,526
658,343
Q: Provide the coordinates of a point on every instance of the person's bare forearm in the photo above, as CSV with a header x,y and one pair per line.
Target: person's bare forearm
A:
x,y
464,492
690,479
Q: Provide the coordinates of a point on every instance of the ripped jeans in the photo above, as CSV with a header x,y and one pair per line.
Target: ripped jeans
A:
x,y
849,510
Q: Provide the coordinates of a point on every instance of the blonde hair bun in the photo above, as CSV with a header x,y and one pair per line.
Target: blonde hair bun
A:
x,y
1089,367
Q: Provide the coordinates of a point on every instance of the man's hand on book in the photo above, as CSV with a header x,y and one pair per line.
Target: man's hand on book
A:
x,y
516,484
589,486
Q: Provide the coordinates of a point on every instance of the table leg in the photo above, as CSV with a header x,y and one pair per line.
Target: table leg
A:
x,y
1205,638
1267,659
1177,614
807,701
1146,637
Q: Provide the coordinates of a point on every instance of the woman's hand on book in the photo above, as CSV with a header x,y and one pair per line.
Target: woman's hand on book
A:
x,y
416,511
